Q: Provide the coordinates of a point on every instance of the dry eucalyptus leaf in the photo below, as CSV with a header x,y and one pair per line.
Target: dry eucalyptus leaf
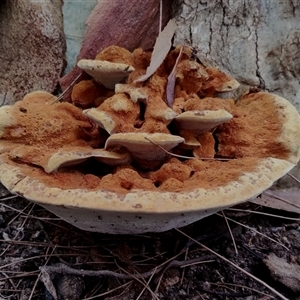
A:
x,y
288,200
172,80
284,272
46,279
128,24
161,49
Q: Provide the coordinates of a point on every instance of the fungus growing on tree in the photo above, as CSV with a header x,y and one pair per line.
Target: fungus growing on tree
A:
x,y
111,164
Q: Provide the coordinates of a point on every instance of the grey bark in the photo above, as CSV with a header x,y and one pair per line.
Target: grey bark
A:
x,y
256,41
32,47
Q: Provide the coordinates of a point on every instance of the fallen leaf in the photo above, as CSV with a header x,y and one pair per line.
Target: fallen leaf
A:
x,y
46,279
288,200
161,49
172,81
284,272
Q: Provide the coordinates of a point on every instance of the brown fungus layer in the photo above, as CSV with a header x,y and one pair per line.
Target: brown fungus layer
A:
x,y
38,121
36,128
254,129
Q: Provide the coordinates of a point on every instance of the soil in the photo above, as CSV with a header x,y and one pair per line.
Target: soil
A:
x,y
172,265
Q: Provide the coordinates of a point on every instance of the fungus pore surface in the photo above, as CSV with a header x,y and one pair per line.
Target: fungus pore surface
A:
x,y
258,126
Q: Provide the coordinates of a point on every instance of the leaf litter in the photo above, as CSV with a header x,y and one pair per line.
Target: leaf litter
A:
x,y
204,275
151,265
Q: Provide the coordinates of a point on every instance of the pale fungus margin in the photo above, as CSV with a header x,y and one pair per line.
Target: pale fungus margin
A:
x,y
104,162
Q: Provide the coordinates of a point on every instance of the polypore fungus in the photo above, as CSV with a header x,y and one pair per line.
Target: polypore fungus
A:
x,y
218,81
112,164
143,146
111,66
76,155
199,122
105,72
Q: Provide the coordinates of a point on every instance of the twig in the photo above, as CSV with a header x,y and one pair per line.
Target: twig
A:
x,y
64,269
234,265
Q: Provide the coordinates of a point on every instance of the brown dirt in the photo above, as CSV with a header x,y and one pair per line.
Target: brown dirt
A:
x,y
32,237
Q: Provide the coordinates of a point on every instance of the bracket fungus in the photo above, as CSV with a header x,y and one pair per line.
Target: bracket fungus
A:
x,y
200,121
105,72
107,165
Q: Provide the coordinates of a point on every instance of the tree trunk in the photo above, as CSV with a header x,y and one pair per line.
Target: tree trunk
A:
x,y
256,41
32,47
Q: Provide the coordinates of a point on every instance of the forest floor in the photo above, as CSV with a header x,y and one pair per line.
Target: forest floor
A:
x,y
209,259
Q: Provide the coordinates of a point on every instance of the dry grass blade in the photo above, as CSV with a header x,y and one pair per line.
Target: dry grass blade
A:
x,y
10,280
125,285
9,197
154,296
256,231
243,287
40,275
172,80
295,178
185,157
264,214
230,232
60,97
197,263
21,260
21,212
234,265
18,274
21,228
146,286
281,199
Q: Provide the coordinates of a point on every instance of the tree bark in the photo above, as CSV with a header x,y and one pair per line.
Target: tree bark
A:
x,y
256,41
32,47
128,24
